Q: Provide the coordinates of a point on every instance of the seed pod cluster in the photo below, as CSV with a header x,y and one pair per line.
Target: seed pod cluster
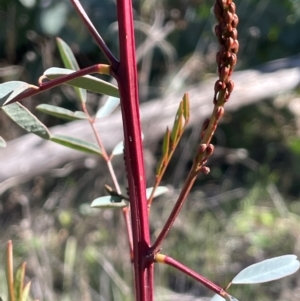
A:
x,y
226,33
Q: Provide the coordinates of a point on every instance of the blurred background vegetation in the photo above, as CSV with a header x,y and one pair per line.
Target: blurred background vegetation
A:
x,y
246,210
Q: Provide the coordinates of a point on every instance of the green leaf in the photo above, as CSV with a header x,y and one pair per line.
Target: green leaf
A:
x,y
88,82
186,107
19,281
2,142
118,149
26,291
109,202
109,106
268,270
70,62
9,90
166,143
158,191
178,124
61,112
25,119
77,144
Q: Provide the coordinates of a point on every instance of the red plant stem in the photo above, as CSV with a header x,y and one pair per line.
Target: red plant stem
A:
x,y
179,266
174,213
56,82
126,75
94,33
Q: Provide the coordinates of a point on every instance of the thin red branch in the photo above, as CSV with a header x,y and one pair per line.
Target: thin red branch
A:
x,y
56,82
160,258
174,213
92,30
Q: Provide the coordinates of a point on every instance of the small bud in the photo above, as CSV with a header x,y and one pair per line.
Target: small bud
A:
x,y
229,43
228,17
235,21
230,86
202,148
209,150
219,85
232,60
233,34
232,7
205,170
235,47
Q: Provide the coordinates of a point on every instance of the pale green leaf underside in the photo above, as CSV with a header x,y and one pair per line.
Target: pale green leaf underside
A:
x,y
9,90
77,144
87,82
268,270
109,106
2,142
118,149
61,112
70,62
26,120
217,297
109,202
158,191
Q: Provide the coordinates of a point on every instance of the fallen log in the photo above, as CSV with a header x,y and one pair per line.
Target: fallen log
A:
x,y
29,156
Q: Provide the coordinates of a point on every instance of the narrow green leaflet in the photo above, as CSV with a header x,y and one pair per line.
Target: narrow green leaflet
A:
x,y
70,62
25,119
109,106
177,127
67,55
19,281
166,143
186,107
2,142
158,191
87,82
77,144
118,149
9,90
109,202
268,270
61,112
26,291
